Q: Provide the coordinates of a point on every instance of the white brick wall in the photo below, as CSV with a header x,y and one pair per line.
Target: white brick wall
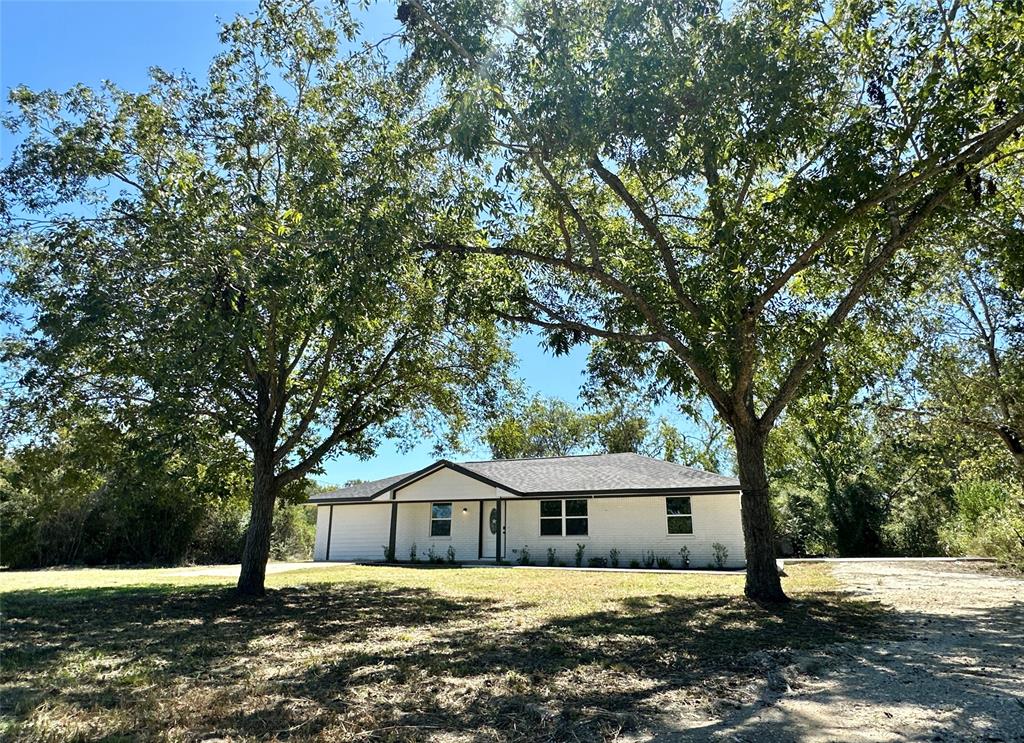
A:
x,y
632,525
445,485
414,526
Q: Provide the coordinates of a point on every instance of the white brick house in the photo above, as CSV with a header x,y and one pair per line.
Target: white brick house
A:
x,y
486,511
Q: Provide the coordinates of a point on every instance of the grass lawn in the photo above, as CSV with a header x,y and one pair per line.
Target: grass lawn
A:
x,y
387,653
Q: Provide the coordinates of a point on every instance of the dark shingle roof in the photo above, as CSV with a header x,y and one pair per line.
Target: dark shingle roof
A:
x,y
359,491
595,473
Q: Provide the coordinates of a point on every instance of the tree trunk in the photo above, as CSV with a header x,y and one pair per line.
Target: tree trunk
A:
x,y
763,582
261,519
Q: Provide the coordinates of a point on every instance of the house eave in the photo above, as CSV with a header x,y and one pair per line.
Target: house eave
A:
x,y
548,494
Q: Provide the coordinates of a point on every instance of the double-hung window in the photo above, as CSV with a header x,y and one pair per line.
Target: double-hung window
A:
x,y
563,518
680,519
440,519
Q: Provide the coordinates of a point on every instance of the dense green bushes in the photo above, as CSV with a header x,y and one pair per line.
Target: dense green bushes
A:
x,y
865,485
989,521
97,496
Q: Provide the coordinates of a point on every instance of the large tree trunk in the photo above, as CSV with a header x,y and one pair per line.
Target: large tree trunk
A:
x,y
763,582
261,519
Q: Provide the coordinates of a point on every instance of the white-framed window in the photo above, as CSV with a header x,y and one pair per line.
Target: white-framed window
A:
x,y
567,518
680,518
440,519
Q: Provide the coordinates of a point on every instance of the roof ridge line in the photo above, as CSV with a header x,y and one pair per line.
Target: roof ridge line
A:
x,y
563,456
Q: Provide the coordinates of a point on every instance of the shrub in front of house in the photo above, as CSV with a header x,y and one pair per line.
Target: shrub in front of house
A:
x,y
635,564
524,556
580,547
649,559
552,557
451,555
721,553
597,562
664,563
684,557
413,557
613,558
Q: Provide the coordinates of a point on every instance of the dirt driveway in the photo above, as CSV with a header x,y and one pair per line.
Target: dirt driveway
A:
x,y
954,672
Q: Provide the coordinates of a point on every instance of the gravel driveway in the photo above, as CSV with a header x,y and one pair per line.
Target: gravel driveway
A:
x,y
956,673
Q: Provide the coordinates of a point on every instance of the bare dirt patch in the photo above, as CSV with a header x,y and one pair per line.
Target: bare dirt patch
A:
x,y
953,672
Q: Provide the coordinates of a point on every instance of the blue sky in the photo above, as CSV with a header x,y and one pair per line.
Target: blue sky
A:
x,y
46,44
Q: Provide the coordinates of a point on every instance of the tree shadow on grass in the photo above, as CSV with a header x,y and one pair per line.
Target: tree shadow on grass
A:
x,y
589,677
86,647
379,662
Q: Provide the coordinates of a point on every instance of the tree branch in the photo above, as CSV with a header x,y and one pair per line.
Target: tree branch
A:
x,y
813,352
653,231
976,149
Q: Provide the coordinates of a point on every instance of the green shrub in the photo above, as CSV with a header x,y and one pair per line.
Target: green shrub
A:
x,y
524,556
988,522
220,536
598,562
802,524
552,556
580,547
294,532
635,564
684,557
914,521
664,563
613,558
857,512
649,559
721,554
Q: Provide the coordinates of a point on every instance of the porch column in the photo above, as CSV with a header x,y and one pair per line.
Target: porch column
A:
x,y
394,528
480,535
330,522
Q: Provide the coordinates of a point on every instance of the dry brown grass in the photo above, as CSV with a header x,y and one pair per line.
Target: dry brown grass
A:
x,y
384,653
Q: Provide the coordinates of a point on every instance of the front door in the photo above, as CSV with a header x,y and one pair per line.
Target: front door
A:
x,y
488,529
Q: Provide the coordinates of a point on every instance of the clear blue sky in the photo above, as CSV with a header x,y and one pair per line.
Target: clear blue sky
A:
x,y
47,44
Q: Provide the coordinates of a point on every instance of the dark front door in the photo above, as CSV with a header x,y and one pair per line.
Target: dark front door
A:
x,y
488,529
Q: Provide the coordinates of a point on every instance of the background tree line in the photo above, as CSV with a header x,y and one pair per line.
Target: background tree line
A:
x,y
92,494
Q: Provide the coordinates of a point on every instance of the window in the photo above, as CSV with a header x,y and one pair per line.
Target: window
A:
x,y
680,521
551,518
563,517
440,519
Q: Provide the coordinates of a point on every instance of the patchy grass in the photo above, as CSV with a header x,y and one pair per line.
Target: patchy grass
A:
x,y
386,653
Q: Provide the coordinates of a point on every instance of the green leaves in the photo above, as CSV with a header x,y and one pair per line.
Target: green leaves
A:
x,y
760,156
243,250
